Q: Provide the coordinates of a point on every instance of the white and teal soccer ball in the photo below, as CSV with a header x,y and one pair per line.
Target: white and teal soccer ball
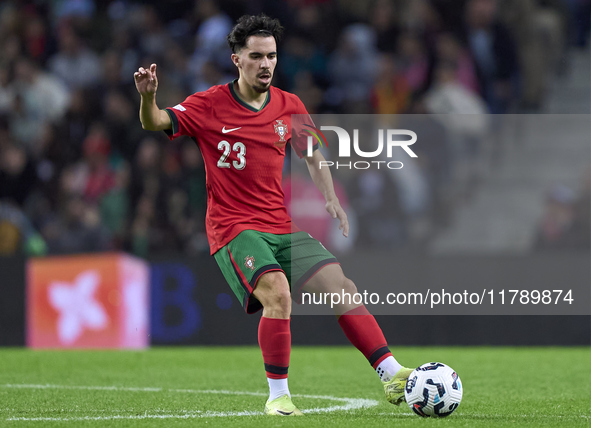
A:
x,y
433,389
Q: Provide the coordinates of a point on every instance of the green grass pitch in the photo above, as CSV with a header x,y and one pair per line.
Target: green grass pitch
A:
x,y
181,387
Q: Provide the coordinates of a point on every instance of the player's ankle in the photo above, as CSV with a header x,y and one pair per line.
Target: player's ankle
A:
x,y
278,388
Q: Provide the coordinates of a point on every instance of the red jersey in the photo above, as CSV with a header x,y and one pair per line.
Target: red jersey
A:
x,y
243,150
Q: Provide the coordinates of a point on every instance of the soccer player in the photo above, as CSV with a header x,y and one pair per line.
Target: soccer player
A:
x,y
242,129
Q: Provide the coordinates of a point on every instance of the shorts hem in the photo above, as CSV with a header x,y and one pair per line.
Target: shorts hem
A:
x,y
252,306
309,275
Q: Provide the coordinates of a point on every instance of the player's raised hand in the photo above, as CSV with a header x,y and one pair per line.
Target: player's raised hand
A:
x,y
336,211
146,81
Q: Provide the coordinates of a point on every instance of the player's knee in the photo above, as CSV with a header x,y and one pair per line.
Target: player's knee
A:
x,y
277,305
280,301
273,292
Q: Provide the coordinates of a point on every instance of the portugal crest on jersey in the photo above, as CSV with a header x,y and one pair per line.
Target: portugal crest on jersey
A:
x,y
249,262
281,130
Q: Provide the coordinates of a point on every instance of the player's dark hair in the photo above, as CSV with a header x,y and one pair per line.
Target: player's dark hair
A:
x,y
253,25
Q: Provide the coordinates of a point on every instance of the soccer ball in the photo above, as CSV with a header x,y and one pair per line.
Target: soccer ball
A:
x,y
433,389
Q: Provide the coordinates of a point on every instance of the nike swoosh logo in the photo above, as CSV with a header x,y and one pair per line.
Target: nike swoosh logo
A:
x,y
225,131
284,413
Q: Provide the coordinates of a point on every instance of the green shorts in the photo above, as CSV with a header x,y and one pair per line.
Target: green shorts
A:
x,y
251,254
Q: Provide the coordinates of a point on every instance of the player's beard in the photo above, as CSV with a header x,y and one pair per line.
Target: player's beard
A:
x,y
262,88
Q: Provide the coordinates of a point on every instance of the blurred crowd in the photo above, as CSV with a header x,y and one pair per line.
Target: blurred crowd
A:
x,y
78,174
566,220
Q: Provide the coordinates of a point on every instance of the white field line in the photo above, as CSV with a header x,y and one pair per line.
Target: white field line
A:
x,y
144,416
347,403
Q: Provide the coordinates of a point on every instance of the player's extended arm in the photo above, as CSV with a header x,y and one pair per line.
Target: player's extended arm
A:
x,y
323,180
146,83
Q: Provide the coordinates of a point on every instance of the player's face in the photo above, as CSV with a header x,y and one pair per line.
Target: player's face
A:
x,y
257,61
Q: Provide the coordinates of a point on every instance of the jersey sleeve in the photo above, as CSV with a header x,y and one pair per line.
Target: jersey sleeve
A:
x,y
302,127
187,117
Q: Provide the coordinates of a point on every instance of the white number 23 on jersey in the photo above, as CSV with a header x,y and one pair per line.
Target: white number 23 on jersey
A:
x,y
240,150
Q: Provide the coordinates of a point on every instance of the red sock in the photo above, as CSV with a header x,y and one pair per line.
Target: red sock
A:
x,y
363,331
275,343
